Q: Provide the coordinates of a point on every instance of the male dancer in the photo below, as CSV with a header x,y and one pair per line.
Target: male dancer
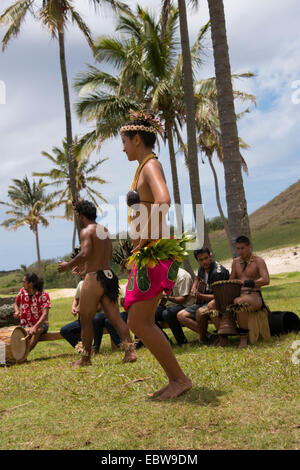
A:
x,y
100,283
252,270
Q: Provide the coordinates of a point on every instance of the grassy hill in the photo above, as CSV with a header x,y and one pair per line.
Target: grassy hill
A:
x,y
274,225
284,209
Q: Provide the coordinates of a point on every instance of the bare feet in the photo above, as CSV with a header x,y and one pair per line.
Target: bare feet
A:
x,y
82,362
94,352
172,390
129,348
130,356
22,361
243,341
158,392
223,341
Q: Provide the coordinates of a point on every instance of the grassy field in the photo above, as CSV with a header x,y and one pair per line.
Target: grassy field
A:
x,y
267,238
241,399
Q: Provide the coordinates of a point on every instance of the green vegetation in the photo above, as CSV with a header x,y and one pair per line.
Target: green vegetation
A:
x,y
267,238
245,399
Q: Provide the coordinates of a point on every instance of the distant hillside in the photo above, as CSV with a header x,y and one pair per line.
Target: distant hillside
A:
x,y
274,225
284,208
6,273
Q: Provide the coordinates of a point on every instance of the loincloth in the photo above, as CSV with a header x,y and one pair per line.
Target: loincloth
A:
x,y
146,283
250,291
110,283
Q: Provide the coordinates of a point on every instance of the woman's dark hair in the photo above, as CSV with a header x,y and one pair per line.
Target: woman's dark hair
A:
x,y
243,239
37,282
86,208
201,251
148,138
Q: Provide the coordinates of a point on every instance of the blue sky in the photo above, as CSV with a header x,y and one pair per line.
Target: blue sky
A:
x,y
263,38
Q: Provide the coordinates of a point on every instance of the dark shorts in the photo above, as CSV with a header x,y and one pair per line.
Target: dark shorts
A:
x,y
193,309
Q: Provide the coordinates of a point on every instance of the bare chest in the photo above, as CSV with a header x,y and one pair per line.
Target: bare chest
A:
x,y
250,272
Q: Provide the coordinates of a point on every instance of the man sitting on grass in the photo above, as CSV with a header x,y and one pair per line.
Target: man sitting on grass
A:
x,y
32,308
174,303
253,272
209,271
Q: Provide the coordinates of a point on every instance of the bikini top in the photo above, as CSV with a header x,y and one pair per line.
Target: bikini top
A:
x,y
133,196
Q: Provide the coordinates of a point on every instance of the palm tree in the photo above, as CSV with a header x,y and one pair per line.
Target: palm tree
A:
x,y
29,205
209,137
238,220
84,173
55,15
190,113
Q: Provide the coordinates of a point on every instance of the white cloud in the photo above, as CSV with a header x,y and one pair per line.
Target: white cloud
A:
x,y
263,38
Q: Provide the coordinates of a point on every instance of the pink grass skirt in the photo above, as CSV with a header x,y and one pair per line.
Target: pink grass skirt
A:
x,y
147,283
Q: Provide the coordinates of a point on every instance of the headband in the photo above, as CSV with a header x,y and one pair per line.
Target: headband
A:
x,y
155,124
137,127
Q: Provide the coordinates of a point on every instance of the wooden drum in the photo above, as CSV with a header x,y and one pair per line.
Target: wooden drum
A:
x,y
16,346
225,292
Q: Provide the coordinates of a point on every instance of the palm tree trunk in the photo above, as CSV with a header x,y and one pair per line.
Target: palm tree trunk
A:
x,y
238,220
182,145
176,191
218,198
190,114
38,251
165,11
64,76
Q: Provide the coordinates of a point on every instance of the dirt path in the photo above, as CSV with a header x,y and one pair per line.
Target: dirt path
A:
x,y
62,293
281,260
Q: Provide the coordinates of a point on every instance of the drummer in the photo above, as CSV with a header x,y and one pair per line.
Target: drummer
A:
x,y
253,271
32,308
209,271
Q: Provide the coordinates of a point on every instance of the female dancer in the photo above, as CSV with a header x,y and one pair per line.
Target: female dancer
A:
x,y
156,264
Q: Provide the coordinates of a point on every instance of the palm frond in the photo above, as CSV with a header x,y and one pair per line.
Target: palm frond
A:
x,y
14,16
77,19
89,81
111,50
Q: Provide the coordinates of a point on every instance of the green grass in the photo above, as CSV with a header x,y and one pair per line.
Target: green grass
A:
x,y
268,238
241,399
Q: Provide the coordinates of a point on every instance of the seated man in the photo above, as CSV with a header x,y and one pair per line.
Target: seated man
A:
x,y
177,301
72,331
209,271
105,323
252,270
32,308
